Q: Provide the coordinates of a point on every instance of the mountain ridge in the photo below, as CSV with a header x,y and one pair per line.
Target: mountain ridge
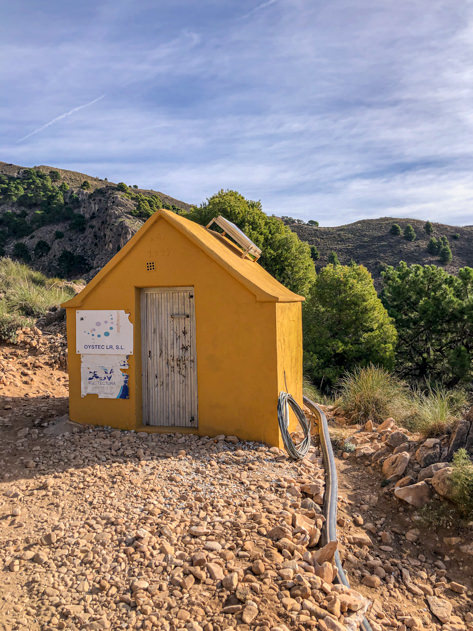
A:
x,y
77,235
370,243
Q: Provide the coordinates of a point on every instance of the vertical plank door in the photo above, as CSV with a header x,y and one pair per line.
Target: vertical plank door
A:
x,y
168,357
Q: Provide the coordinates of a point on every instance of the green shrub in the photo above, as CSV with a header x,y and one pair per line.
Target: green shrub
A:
x,y
435,410
333,258
445,254
59,234
312,222
70,264
314,253
85,186
456,236
395,229
41,248
345,325
433,246
462,482
372,393
78,223
42,192
121,186
432,313
439,514
21,252
428,227
409,233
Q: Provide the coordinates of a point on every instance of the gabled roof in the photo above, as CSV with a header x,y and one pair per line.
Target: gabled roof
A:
x,y
256,279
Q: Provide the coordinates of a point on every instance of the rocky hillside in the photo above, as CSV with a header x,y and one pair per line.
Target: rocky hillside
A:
x,y
371,243
70,224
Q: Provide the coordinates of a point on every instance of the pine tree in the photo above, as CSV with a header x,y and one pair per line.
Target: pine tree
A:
x,y
433,246
445,254
345,325
333,258
314,253
409,233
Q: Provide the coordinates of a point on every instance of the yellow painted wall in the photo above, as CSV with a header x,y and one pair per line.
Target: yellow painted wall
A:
x,y
289,344
242,345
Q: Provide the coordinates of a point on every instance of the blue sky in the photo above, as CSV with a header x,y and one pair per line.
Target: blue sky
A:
x,y
335,111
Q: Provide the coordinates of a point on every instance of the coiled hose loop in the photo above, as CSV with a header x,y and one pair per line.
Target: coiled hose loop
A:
x,y
297,452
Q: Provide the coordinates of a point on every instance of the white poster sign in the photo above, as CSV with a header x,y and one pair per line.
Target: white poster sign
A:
x,y
103,375
100,332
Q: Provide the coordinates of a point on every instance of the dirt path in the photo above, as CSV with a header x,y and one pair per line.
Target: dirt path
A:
x,y
396,560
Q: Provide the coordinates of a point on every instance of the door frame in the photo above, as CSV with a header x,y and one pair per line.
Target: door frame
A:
x,y
166,290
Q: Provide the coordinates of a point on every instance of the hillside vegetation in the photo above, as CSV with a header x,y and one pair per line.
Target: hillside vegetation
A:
x,y
70,224
25,295
373,243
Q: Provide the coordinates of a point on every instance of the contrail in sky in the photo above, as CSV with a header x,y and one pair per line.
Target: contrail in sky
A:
x,y
258,8
60,117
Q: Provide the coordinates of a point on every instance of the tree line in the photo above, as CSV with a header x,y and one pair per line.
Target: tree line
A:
x,y
420,326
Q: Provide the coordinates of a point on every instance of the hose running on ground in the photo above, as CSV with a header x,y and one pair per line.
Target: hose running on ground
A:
x,y
297,452
331,492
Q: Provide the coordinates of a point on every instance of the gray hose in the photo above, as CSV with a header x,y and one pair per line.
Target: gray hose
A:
x,y
331,493
297,452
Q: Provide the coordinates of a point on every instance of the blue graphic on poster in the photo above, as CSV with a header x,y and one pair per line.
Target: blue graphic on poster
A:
x,y
103,375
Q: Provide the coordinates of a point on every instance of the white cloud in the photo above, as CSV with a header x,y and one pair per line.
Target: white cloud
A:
x,y
334,111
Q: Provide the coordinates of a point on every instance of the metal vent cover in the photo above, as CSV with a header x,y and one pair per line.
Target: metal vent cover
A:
x,y
150,266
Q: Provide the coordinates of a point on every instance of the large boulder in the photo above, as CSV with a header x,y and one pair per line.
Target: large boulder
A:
x,y
385,425
415,494
428,472
428,452
380,455
395,465
396,438
462,437
442,482
441,608
409,446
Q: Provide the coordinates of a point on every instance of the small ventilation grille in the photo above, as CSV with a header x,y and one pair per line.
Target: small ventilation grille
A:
x,y
150,266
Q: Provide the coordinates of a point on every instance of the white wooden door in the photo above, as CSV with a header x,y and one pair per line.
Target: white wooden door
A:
x,y
169,376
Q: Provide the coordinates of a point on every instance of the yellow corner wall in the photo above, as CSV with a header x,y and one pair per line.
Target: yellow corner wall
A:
x,y
243,346
289,344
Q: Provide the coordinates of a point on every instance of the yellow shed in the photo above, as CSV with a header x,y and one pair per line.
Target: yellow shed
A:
x,y
181,331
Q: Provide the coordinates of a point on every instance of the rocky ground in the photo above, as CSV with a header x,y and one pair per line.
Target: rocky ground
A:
x,y
419,572
110,530
101,529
